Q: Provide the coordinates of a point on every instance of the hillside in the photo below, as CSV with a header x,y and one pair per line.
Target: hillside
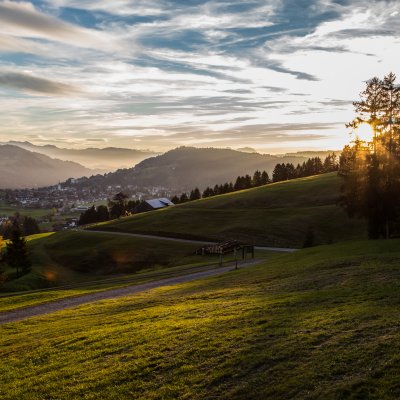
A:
x,y
25,169
318,324
75,257
278,215
106,159
186,167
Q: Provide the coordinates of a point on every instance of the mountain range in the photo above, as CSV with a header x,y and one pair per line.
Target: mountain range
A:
x,y
182,168
21,168
103,160
188,167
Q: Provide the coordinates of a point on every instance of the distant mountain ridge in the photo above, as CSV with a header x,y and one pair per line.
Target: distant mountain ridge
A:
x,y
188,167
21,168
104,159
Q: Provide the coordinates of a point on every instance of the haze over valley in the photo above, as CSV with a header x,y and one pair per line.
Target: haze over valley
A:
x,y
199,199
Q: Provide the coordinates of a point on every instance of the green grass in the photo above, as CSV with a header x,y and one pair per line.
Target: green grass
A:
x,y
13,301
278,215
31,212
318,324
73,257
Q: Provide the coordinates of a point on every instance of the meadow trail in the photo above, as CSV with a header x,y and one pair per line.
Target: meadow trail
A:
x,y
178,240
58,305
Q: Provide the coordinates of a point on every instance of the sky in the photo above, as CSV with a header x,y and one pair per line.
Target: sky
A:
x,y
277,76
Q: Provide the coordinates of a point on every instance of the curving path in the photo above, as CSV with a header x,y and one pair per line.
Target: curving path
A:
x,y
62,304
171,239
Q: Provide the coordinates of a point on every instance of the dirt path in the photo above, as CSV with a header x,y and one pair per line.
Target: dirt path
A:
x,y
200,242
58,305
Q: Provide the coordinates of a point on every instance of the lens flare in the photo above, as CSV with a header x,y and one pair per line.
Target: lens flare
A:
x,y
365,132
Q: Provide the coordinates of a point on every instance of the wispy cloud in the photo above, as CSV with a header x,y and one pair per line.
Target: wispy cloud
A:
x,y
29,83
161,73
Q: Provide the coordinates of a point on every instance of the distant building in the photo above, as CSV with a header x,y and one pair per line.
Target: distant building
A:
x,y
154,204
81,208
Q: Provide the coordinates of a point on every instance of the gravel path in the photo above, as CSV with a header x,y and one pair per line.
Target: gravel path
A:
x,y
200,242
58,305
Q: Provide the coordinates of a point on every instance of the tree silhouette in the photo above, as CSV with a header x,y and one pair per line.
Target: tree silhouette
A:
x,y
16,254
371,169
117,205
195,194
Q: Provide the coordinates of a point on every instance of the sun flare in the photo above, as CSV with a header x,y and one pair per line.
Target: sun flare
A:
x,y
364,132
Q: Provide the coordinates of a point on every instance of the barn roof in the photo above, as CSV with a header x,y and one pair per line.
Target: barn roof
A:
x,y
159,203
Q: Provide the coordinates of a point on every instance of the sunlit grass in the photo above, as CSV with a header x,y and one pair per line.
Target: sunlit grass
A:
x,y
80,258
276,215
321,323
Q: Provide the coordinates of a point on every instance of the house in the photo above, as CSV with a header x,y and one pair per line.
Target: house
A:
x,y
80,208
154,204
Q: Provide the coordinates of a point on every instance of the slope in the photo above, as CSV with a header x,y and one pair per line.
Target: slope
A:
x,y
321,323
105,159
72,257
186,167
25,169
280,214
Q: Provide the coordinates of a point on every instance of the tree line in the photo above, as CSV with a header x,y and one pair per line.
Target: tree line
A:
x,y
121,206
281,172
370,167
117,207
26,225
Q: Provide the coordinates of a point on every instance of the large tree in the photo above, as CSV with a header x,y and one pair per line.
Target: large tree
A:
x,y
371,168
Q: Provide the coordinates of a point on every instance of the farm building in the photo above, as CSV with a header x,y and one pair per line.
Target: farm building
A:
x,y
154,204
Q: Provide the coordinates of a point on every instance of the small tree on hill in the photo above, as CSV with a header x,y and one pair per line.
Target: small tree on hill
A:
x,y
208,192
16,254
175,199
265,178
184,198
257,180
102,213
195,194
118,205
30,226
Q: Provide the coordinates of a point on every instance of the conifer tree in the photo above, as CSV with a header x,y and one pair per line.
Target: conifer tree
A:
x,y
265,178
257,178
175,199
16,254
371,169
184,198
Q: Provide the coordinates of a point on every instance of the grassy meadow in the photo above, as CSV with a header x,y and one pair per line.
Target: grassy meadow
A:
x,y
73,257
279,214
6,211
318,324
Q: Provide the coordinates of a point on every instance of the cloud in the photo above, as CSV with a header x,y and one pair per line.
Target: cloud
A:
x,y
363,32
23,20
29,83
170,72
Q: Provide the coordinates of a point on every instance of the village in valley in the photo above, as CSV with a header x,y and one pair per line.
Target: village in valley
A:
x,y
199,200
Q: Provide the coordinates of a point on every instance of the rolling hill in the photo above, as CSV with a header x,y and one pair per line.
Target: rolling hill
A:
x,y
318,324
187,167
73,257
279,214
21,168
102,159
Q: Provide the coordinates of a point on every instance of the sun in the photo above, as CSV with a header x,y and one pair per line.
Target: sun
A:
x,y
364,132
